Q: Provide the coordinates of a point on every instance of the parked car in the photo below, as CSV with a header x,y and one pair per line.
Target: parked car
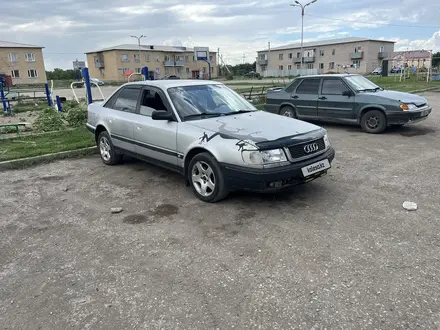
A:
x,y
347,98
97,81
395,70
252,74
171,77
377,71
211,135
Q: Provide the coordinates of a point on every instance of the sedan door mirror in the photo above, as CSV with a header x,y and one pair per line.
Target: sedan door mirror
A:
x,y
347,93
162,115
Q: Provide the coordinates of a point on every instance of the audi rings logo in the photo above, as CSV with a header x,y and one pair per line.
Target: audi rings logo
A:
x,y
311,148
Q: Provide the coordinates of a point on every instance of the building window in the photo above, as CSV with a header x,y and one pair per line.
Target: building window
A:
x,y
212,69
167,70
210,58
298,66
15,74
357,49
147,57
298,55
289,67
281,67
280,57
187,70
136,58
356,64
32,73
310,66
321,52
124,57
262,57
125,70
321,65
331,65
12,57
290,55
194,58
381,49
137,70
179,70
29,57
333,51
186,58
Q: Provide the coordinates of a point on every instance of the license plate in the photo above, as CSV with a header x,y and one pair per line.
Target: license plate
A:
x,y
316,167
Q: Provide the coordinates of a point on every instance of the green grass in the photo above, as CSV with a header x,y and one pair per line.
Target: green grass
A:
x,y
407,85
37,145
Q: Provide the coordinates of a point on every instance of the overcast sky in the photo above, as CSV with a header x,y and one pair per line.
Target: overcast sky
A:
x,y
68,28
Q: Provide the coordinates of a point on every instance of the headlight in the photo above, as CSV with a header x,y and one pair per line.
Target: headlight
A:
x,y
267,158
326,141
409,106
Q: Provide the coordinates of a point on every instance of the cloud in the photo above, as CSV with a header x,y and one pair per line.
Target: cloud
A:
x,y
69,28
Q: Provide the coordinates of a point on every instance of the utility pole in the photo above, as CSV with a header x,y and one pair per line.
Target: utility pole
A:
x,y
244,56
298,4
218,62
139,44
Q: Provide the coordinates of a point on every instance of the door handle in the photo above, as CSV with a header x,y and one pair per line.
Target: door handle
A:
x,y
294,97
322,98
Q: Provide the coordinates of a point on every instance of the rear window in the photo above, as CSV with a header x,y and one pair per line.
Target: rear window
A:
x,y
309,86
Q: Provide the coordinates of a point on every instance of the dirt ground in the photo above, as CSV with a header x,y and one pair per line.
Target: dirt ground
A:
x,y
340,252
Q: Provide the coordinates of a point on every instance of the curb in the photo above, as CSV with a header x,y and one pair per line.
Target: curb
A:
x,y
31,161
424,90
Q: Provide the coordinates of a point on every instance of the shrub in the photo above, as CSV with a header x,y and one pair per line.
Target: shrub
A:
x,y
49,120
229,77
75,113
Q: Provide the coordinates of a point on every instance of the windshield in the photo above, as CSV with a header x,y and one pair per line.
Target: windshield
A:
x,y
360,83
209,100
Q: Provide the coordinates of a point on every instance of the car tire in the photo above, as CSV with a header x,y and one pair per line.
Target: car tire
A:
x,y
287,111
374,122
206,178
106,149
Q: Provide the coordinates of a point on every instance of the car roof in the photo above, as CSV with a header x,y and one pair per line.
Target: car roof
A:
x,y
329,75
164,84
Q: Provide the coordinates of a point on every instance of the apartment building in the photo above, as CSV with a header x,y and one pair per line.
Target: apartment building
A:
x,y
24,63
118,62
324,56
412,58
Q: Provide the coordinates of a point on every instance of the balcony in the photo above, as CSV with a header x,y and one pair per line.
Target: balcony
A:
x,y
357,56
168,63
179,63
262,62
297,60
309,59
174,63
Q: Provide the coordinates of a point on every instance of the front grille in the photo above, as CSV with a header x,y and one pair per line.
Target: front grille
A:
x,y
297,151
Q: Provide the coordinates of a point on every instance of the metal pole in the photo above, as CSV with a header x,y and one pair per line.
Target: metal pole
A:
x,y
139,45
85,74
2,96
302,36
49,98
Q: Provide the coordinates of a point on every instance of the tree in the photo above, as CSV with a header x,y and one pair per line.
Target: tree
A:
x,y
436,59
60,74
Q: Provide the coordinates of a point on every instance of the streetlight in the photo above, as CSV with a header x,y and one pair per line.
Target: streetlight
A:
x,y
139,44
298,4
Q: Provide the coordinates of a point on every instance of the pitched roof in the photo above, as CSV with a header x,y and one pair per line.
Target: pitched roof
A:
x,y
413,54
325,42
9,44
160,48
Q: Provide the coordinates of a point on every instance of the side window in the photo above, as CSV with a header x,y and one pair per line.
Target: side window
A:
x,y
151,100
309,86
127,99
333,87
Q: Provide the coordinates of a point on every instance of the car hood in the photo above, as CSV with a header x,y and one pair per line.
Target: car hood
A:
x,y
258,126
401,97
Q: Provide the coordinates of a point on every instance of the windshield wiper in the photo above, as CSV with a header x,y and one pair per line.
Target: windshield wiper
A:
x,y
237,112
203,114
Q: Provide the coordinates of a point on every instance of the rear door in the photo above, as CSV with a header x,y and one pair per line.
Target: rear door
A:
x,y
121,116
305,97
155,139
331,103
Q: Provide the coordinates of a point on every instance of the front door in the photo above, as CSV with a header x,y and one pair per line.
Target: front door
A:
x,y
305,97
155,139
332,104
121,118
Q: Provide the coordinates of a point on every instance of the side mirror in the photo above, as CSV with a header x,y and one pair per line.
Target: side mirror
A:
x,y
347,93
162,115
